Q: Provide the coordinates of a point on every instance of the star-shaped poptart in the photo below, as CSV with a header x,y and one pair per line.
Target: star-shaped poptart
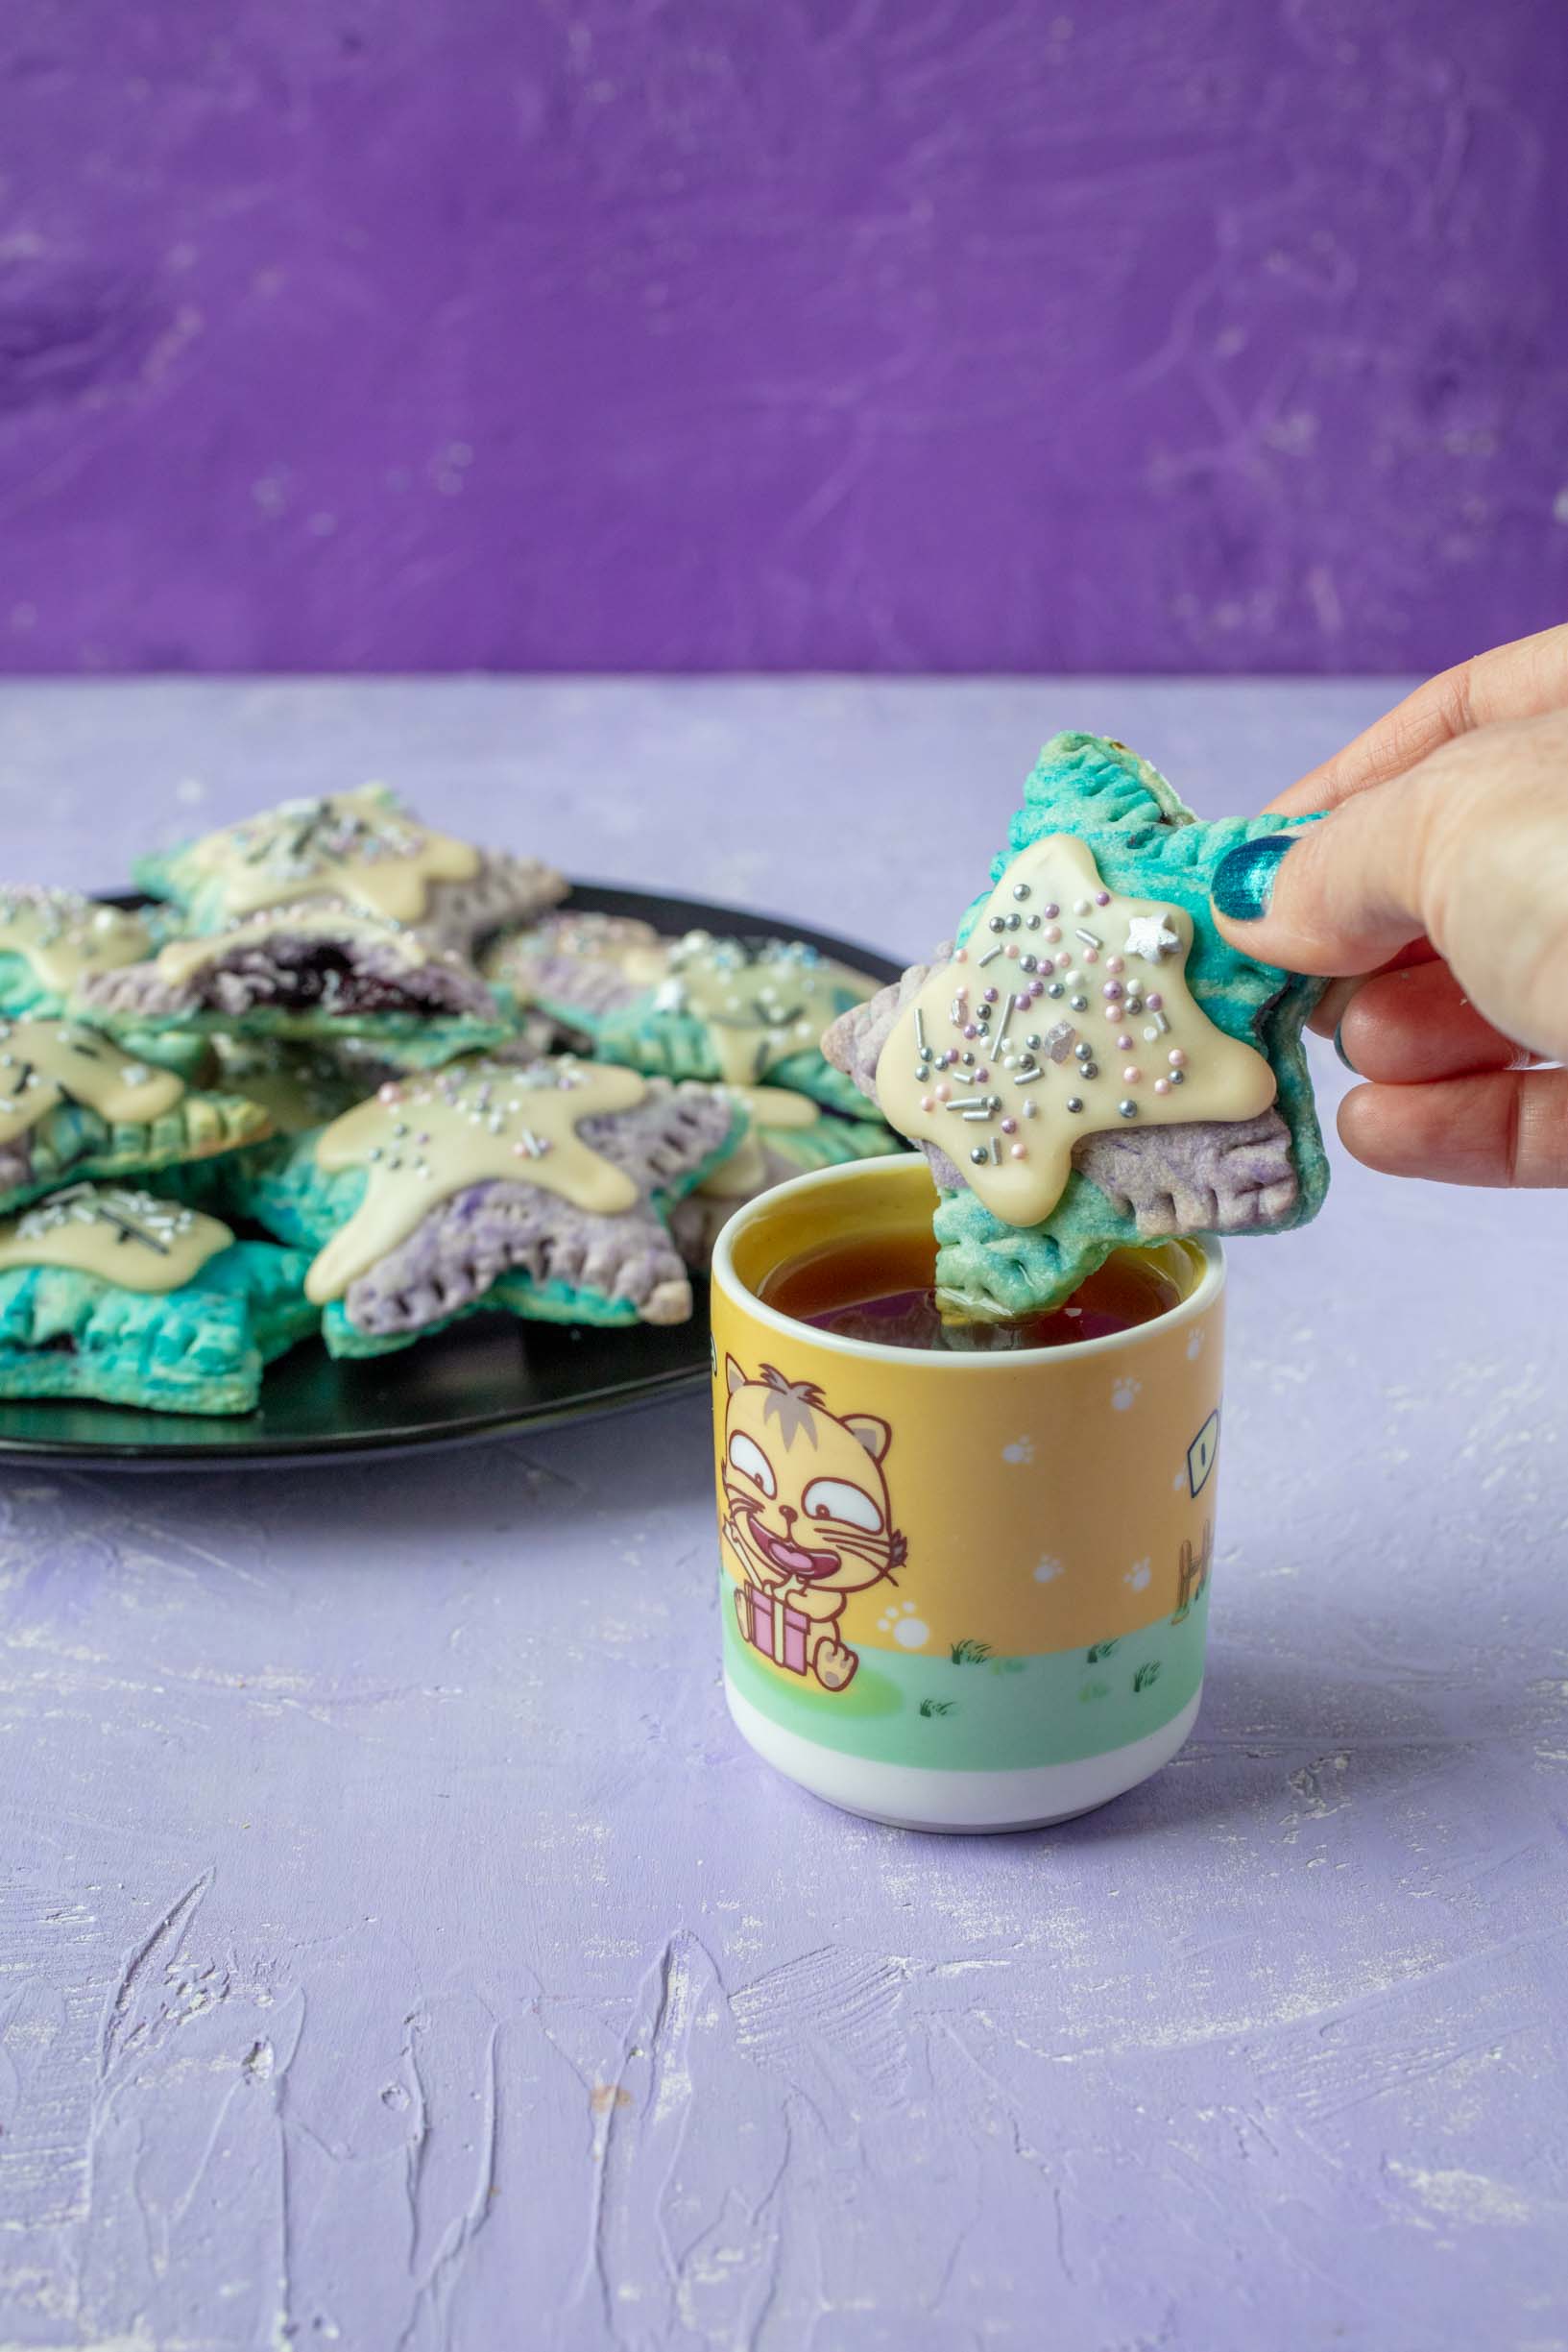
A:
x,y
541,1189
74,1102
50,938
742,1013
1166,1095
359,850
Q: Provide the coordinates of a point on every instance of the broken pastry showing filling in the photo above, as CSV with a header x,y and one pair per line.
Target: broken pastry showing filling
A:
x,y
308,972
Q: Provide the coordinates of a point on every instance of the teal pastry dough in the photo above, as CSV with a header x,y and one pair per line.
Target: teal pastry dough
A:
x,y
119,1294
727,1010
1126,1056
75,1103
545,1191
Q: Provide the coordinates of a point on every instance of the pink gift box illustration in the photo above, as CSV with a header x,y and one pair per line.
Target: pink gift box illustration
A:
x,y
772,1627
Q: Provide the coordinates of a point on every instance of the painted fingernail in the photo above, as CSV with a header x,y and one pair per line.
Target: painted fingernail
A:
x,y
1339,1049
1243,880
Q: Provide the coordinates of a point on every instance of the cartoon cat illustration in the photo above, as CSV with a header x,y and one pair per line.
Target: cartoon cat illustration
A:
x,y
806,1514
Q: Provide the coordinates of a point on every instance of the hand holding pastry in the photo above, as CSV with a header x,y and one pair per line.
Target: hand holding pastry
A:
x,y
1440,871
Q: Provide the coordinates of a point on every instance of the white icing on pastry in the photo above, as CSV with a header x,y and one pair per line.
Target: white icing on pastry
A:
x,y
354,846
1067,1011
424,1138
759,1008
116,1233
46,1062
61,936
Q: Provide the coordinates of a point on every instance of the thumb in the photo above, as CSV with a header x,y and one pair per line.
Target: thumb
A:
x,y
1340,896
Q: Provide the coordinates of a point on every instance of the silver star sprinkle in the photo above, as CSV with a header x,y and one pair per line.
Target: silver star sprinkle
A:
x,y
1150,937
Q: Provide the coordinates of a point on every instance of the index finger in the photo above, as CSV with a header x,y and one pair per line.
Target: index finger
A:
x,y
1522,680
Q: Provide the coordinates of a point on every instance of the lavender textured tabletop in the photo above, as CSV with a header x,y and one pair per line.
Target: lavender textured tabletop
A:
x,y
398,1947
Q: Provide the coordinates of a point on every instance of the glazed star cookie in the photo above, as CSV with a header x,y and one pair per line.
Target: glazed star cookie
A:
x,y
357,850
543,1190
577,934
315,972
52,940
730,1011
73,1103
113,1292
1091,1064
786,1135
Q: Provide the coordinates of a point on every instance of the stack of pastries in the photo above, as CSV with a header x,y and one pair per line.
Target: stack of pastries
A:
x,y
346,1075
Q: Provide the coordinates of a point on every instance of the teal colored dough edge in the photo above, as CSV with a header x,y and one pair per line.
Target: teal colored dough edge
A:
x,y
677,1045
23,997
832,1142
83,1148
283,1189
1122,807
200,1349
413,1040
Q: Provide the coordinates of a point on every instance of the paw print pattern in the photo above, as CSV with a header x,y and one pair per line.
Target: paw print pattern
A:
x,y
1137,1576
1125,1394
1046,1569
907,1627
1022,1449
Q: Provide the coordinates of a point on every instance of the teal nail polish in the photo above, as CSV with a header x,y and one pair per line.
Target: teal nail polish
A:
x,y
1243,880
1339,1049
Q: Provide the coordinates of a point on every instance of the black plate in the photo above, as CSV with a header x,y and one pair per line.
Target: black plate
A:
x,y
488,1377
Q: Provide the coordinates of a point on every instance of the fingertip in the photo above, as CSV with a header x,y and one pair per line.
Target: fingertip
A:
x,y
1244,878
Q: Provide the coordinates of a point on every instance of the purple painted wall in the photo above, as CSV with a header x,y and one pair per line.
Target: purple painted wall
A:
x,y
910,335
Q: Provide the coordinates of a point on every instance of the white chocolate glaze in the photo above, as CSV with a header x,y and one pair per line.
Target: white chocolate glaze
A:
x,y
421,1139
633,947
353,846
116,1233
46,1062
1090,1025
759,1008
63,936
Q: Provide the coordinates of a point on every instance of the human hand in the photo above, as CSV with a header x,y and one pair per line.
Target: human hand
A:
x,y
1435,893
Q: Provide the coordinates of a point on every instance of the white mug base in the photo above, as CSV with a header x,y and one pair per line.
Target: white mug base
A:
x,y
909,1797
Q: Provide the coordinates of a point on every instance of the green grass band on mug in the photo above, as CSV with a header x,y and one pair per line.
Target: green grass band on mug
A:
x,y
984,1713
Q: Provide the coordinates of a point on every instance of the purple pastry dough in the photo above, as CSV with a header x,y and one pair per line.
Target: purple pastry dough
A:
x,y
468,1243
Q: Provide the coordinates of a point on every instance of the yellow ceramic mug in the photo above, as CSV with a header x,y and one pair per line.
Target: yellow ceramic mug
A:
x,y
1010,1627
